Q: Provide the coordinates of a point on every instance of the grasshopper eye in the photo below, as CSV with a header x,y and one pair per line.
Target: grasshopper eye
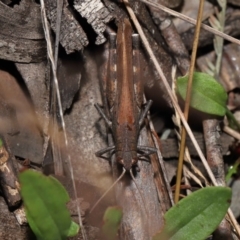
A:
x,y
134,160
120,160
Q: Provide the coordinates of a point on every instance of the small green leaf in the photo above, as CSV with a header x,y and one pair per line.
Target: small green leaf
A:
x,y
207,96
232,121
196,216
73,230
111,221
232,170
45,204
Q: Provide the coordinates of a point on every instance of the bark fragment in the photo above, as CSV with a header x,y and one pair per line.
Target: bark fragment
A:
x,y
176,45
26,140
9,227
171,36
22,21
96,14
231,28
19,27
72,37
8,177
21,50
169,147
34,76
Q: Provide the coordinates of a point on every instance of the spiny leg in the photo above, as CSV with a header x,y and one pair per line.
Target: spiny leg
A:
x,y
110,89
112,71
145,111
103,151
137,73
103,115
146,151
143,152
137,78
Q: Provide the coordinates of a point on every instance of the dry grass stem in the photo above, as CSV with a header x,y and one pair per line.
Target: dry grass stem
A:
x,y
189,175
155,140
50,55
231,132
57,157
219,23
188,100
187,157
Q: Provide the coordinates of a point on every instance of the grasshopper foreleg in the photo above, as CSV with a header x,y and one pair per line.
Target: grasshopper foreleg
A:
x,y
103,115
103,151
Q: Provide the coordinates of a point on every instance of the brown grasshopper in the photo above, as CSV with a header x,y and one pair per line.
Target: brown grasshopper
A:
x,y
125,98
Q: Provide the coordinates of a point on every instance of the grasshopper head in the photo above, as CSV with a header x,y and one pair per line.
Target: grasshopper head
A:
x,y
127,159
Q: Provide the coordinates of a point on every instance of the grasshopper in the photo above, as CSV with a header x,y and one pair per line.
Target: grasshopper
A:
x,y
125,98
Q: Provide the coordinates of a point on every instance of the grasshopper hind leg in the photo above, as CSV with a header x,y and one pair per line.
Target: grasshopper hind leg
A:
x,y
101,152
146,151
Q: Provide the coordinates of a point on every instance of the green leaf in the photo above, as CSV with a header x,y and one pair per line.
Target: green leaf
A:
x,y
207,96
111,221
45,204
196,216
73,230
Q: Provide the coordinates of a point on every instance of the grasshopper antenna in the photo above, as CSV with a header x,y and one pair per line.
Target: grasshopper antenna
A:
x,y
144,203
100,199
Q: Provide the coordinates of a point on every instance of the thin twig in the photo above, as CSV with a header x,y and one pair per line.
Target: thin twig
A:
x,y
160,159
218,43
192,21
57,157
58,27
188,100
231,132
187,157
169,91
218,23
50,55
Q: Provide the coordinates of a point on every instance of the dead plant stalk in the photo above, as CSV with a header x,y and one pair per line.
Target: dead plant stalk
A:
x,y
188,100
51,58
